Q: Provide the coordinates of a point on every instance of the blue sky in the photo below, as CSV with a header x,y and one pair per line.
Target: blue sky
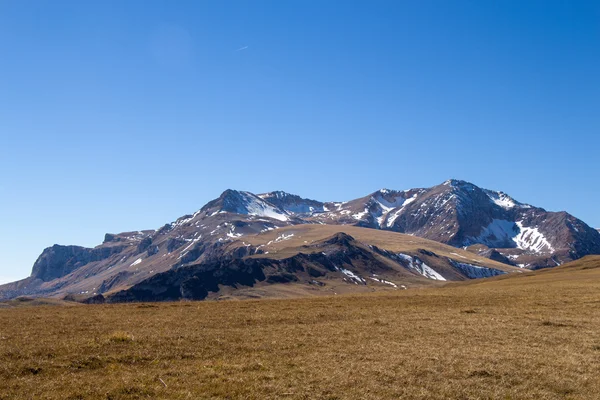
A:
x,y
125,115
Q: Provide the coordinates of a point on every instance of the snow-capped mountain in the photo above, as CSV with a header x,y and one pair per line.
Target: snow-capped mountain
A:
x,y
293,204
461,214
485,222
245,203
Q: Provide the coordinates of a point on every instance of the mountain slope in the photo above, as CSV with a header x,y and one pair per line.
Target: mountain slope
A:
x,y
461,214
488,224
320,257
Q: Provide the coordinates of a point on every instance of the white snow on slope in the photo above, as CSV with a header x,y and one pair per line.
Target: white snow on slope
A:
x,y
301,208
295,205
383,281
233,234
357,279
386,204
532,239
384,207
182,221
504,200
280,238
359,215
498,233
502,233
183,252
419,266
283,237
254,205
475,272
396,213
136,262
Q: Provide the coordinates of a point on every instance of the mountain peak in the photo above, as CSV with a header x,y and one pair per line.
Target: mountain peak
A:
x,y
245,203
497,197
293,204
459,184
277,194
456,213
503,200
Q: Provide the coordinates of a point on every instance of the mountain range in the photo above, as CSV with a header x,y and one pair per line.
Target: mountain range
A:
x,y
275,244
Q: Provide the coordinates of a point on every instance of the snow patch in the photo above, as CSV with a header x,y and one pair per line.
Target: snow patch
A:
x,y
530,238
420,267
503,200
192,241
474,271
502,233
233,234
251,204
283,237
359,215
396,213
357,279
383,281
136,262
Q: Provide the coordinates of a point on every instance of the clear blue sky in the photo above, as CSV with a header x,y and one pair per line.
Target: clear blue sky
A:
x,y
124,115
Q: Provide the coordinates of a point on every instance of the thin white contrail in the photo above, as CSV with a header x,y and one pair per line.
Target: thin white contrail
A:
x,y
242,48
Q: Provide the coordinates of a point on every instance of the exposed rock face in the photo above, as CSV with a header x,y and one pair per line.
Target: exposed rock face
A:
x,y
109,237
292,203
97,299
339,256
457,213
144,244
192,282
461,214
58,261
114,281
245,203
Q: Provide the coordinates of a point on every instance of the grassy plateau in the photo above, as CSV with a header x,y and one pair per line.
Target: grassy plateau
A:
x,y
524,336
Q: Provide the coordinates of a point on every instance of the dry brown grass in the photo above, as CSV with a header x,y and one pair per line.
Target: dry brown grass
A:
x,y
29,302
532,336
392,241
120,337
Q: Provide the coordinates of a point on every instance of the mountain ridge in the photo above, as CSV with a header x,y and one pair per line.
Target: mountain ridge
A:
x,y
458,213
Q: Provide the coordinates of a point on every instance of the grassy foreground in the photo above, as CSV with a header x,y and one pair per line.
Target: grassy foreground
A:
x,y
527,336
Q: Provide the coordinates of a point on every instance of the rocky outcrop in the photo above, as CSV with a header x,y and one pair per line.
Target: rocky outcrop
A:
x,y
114,281
58,261
474,271
97,299
144,244
461,214
292,203
193,282
337,257
491,224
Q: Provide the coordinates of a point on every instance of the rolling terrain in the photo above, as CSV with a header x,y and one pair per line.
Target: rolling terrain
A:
x,y
236,242
294,260
515,336
316,259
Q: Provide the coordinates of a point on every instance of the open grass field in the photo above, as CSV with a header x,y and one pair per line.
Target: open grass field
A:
x,y
524,336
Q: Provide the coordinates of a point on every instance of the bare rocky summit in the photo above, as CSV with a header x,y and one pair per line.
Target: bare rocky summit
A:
x,y
245,239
